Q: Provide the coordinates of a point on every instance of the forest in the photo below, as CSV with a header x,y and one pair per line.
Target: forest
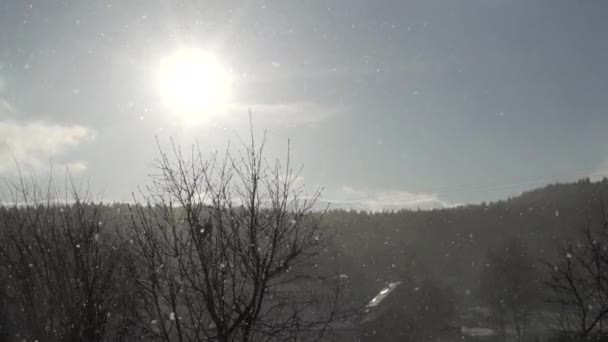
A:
x,y
226,248
418,171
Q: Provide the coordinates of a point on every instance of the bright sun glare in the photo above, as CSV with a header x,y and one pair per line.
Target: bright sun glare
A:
x,y
194,85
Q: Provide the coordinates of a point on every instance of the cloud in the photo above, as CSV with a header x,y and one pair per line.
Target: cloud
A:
x,y
353,199
33,144
294,113
76,167
5,108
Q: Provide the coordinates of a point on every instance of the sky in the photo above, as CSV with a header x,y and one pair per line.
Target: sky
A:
x,y
387,104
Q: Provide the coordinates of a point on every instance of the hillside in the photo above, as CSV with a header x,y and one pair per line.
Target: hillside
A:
x,y
450,244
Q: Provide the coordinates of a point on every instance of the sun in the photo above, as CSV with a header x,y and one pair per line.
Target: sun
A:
x,y
194,85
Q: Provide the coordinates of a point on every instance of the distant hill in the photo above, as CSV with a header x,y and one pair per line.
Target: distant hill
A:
x,y
450,244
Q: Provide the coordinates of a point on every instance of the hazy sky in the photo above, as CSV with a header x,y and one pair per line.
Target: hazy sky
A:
x,y
387,103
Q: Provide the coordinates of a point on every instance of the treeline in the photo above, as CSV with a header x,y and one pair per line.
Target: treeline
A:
x,y
228,248
452,243
218,248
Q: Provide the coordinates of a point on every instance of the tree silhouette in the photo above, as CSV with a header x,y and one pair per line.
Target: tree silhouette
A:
x,y
225,248
60,264
578,282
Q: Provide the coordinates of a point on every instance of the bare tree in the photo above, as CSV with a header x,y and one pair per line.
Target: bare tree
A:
x,y
579,281
58,263
225,251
